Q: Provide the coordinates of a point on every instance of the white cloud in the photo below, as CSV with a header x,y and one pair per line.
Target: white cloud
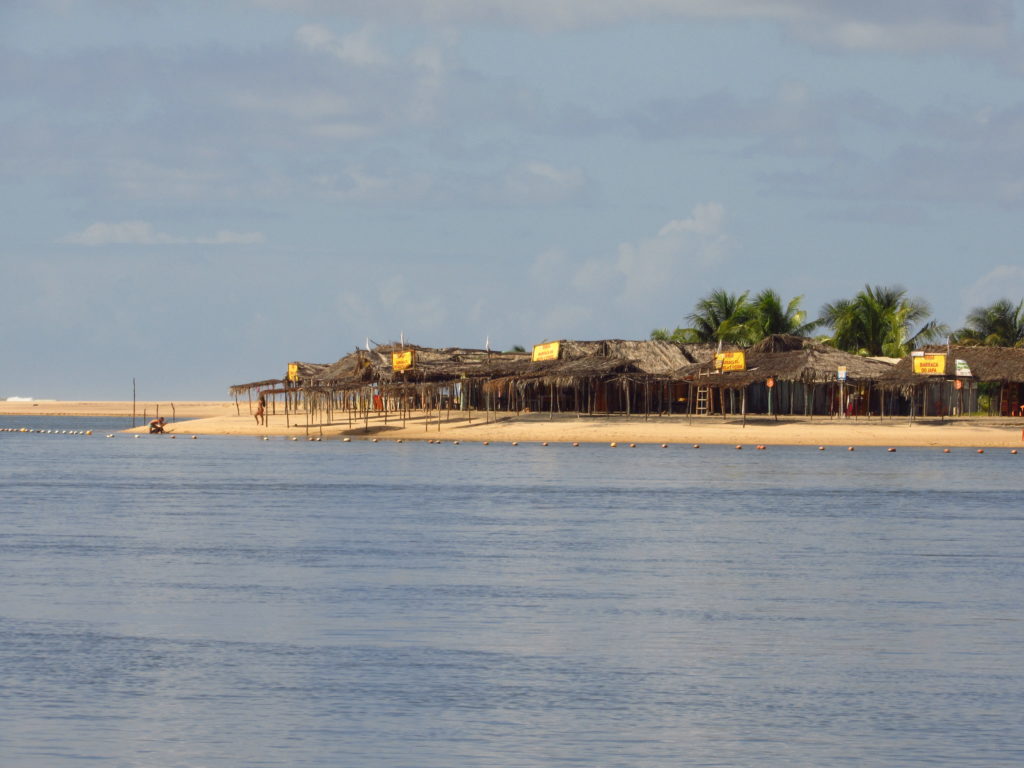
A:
x,y
1004,282
359,49
548,266
227,237
682,250
640,272
143,233
538,182
979,25
357,184
707,219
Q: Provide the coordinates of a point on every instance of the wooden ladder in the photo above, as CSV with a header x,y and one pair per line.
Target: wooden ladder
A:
x,y
702,401
703,393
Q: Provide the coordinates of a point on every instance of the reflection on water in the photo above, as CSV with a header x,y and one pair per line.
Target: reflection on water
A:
x,y
226,602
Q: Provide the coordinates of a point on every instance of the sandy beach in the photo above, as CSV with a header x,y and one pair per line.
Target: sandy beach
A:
x,y
222,418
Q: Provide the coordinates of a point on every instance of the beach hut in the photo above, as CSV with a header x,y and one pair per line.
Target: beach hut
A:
x,y
288,387
606,376
951,380
787,374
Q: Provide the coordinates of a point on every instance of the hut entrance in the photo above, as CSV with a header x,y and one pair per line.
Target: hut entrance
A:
x,y
1010,400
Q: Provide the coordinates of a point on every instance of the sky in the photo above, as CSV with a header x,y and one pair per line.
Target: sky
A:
x,y
194,194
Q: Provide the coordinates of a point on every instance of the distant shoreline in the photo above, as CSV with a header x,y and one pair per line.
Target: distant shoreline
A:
x,y
186,409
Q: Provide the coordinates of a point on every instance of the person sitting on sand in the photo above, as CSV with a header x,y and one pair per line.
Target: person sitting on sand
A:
x,y
156,426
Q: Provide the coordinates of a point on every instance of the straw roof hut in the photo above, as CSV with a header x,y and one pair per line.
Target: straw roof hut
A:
x,y
1003,365
304,372
605,375
997,370
790,358
430,365
805,374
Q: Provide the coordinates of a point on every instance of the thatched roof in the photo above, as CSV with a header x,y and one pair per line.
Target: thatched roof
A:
x,y
790,358
580,361
995,364
652,356
252,386
432,365
306,371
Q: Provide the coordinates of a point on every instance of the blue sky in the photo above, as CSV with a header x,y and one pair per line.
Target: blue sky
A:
x,y
196,193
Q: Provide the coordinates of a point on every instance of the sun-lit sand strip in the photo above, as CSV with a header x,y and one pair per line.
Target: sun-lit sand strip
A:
x,y
222,418
540,428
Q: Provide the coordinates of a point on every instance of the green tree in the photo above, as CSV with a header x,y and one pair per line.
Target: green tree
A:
x,y
720,316
736,319
768,316
998,325
880,321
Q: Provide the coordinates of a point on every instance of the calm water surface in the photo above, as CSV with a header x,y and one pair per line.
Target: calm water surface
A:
x,y
239,602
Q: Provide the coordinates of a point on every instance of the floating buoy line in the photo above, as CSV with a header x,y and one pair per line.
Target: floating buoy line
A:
x,y
431,441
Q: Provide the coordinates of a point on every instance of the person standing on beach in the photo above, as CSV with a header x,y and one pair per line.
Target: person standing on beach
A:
x,y
261,411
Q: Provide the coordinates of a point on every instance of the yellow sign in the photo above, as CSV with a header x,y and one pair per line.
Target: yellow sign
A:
x,y
403,361
293,371
930,365
731,361
547,351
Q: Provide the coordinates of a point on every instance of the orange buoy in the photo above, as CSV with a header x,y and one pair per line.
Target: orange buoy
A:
x,y
945,450
981,450
892,450
850,448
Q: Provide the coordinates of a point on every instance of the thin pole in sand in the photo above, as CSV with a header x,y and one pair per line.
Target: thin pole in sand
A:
x,y
133,401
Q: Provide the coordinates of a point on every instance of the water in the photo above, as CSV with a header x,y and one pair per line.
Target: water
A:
x,y
239,602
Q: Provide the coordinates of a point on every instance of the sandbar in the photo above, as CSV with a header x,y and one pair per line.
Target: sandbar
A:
x,y
227,418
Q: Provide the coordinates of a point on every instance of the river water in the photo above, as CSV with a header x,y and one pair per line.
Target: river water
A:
x,y
241,602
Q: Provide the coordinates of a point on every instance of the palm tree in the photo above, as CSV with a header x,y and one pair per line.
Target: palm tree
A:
x,y
720,316
769,316
878,321
998,325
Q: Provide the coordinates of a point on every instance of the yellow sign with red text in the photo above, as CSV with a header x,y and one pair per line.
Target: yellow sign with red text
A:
x,y
547,351
403,361
731,361
930,365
